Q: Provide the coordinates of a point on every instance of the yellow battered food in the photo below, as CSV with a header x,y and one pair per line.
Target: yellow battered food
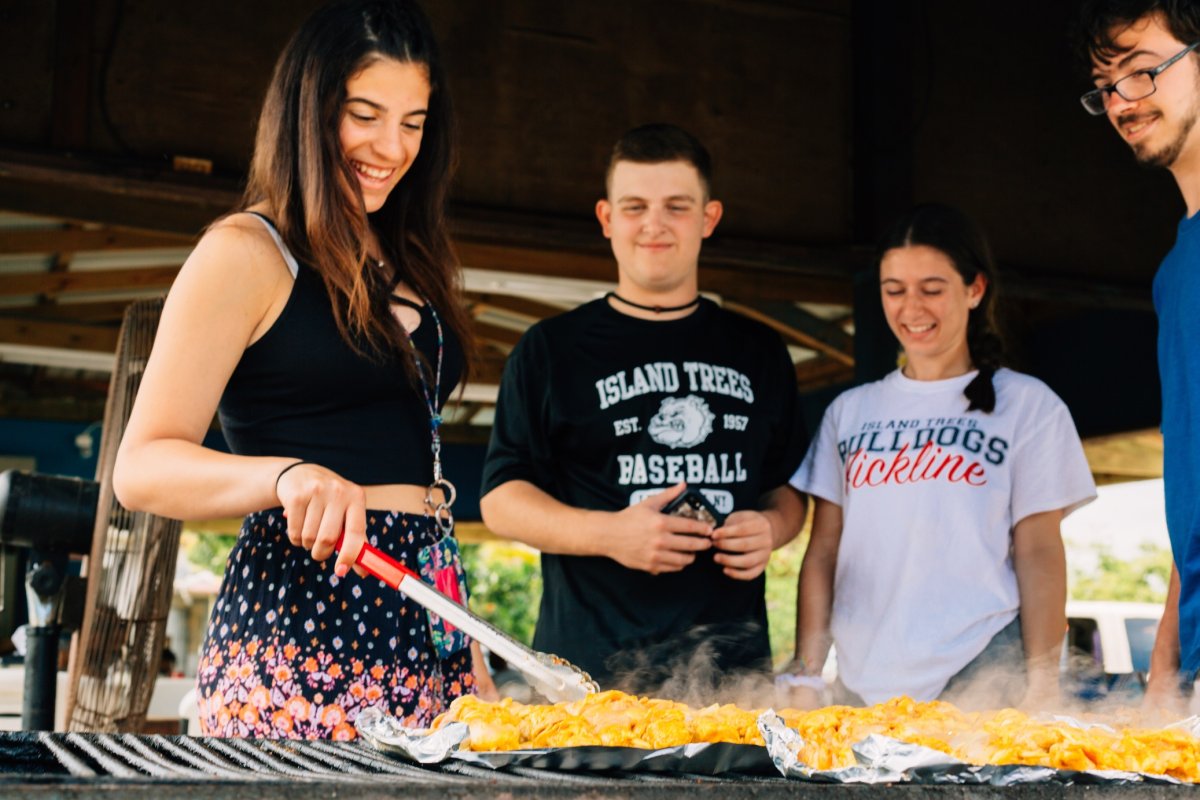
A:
x,y
616,719
613,719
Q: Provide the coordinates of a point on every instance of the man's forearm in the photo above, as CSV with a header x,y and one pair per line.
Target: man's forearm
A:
x,y
520,511
785,509
1164,658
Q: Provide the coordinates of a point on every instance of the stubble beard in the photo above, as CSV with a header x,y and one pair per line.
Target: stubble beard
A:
x,y
1166,155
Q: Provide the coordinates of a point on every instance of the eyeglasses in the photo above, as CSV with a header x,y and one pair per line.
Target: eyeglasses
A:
x,y
1134,86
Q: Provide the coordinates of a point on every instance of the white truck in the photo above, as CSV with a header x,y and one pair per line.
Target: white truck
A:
x,y
1107,651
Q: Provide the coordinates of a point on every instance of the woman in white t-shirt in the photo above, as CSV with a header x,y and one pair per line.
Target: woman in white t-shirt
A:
x,y
936,564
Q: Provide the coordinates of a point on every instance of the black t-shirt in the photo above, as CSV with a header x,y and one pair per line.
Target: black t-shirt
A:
x,y
600,410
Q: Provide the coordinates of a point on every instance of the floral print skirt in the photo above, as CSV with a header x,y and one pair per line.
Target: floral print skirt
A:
x,y
293,651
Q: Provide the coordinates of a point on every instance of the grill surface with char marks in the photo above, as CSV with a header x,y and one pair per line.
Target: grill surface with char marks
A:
x,y
34,765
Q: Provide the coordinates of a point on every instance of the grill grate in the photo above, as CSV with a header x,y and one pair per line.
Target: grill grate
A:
x,y
189,759
35,765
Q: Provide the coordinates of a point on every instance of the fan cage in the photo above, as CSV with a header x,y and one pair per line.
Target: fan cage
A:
x,y
130,571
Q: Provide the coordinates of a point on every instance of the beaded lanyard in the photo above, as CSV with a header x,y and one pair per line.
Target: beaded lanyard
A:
x,y
441,511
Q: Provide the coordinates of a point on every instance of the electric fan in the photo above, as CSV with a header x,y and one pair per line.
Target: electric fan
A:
x,y
129,572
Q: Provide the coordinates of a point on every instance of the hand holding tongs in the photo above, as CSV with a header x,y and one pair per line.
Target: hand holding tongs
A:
x,y
556,678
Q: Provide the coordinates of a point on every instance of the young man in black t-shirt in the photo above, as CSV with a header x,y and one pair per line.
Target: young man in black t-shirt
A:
x,y
610,411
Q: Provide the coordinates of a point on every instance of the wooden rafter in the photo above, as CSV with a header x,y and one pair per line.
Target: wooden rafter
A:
x,y
140,278
146,196
60,265
496,334
55,240
815,373
728,278
510,304
106,311
801,327
92,338
489,366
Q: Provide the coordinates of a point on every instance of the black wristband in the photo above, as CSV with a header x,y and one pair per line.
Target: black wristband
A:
x,y
283,472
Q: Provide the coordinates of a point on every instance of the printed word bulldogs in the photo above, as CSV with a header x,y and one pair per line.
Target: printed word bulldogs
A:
x,y
662,376
969,438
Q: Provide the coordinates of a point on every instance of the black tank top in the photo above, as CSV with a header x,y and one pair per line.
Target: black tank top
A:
x,y
301,391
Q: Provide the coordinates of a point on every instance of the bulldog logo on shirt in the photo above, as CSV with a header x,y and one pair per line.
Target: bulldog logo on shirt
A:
x,y
681,422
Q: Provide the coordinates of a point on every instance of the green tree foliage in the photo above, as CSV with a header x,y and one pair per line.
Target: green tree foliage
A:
x,y
208,550
783,572
505,580
1141,579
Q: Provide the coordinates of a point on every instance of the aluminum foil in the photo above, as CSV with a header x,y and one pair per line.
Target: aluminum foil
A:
x,y
694,759
1190,725
388,736
884,760
880,759
412,744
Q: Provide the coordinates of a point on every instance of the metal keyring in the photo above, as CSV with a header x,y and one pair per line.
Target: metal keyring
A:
x,y
444,518
447,489
441,511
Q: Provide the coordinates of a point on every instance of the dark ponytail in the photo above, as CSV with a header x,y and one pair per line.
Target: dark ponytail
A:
x,y
952,232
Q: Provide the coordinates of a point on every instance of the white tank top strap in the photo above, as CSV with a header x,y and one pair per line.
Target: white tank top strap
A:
x,y
292,265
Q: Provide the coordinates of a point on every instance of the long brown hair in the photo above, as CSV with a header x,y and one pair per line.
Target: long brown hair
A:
x,y
299,171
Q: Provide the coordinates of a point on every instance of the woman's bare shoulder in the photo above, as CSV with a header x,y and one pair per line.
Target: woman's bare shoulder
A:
x,y
239,245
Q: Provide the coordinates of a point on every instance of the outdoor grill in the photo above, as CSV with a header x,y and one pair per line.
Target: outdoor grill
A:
x,y
124,765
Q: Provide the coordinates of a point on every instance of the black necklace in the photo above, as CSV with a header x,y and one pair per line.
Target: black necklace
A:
x,y
656,309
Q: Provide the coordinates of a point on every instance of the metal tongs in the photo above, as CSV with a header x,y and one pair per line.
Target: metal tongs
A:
x,y
556,678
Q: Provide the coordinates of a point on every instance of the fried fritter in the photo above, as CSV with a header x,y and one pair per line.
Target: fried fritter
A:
x,y
615,719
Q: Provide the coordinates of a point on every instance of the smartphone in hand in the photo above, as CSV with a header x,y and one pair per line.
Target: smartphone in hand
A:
x,y
693,505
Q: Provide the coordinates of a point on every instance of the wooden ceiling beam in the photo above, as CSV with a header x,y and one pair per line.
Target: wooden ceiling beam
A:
x,y
817,373
93,338
489,367
31,382
465,413
536,261
153,181
512,304
57,409
1058,292
105,311
461,433
496,333
730,278
57,240
801,328
138,279
93,202
150,196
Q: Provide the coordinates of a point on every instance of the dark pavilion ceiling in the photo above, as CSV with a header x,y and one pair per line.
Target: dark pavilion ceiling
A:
x,y
825,118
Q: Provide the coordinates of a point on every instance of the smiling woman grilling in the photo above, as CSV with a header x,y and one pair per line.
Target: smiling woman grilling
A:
x,y
323,320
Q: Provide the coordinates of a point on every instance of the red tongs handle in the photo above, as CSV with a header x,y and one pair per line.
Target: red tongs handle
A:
x,y
382,566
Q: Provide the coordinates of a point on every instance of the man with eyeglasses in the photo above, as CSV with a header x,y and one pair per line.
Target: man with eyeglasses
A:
x,y
1147,82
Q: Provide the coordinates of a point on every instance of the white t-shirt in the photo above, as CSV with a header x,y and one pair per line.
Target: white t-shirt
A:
x,y
929,495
